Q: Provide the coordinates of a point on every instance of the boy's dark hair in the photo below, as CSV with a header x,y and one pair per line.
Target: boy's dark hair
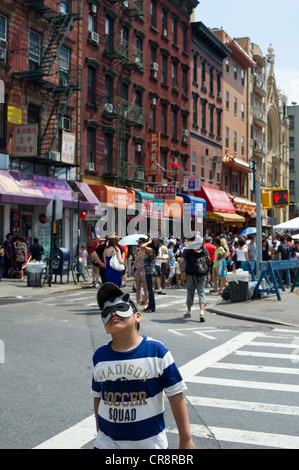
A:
x,y
217,241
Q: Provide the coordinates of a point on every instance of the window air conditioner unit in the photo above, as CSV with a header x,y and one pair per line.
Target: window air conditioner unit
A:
x,y
94,36
137,59
66,124
204,84
64,82
165,32
140,175
90,166
154,66
219,95
93,8
164,181
54,156
2,54
109,107
185,132
216,159
126,4
153,101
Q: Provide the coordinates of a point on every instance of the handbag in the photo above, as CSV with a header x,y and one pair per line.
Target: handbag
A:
x,y
115,264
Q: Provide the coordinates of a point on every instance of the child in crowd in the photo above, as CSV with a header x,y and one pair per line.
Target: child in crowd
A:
x,y
130,375
222,267
83,255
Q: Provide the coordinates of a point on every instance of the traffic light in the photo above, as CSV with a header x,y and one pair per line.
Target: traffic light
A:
x,y
280,197
266,199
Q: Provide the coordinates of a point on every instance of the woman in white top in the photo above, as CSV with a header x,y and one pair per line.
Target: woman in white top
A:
x,y
241,252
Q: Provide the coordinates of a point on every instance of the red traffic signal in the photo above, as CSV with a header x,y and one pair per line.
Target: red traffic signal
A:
x,y
280,197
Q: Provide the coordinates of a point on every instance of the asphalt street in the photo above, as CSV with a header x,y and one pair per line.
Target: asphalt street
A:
x,y
242,376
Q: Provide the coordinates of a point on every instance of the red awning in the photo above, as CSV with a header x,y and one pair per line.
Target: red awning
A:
x,y
217,201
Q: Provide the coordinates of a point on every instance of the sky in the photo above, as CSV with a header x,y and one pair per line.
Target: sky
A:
x,y
264,22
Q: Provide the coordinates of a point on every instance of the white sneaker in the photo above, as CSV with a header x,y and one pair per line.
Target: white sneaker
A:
x,y
97,285
187,315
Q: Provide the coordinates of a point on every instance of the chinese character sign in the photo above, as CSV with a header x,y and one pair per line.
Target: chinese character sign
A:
x,y
26,140
154,153
68,147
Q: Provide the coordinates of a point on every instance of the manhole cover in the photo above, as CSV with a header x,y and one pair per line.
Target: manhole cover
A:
x,y
245,328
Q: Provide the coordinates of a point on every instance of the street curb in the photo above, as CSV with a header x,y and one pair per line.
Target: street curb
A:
x,y
248,317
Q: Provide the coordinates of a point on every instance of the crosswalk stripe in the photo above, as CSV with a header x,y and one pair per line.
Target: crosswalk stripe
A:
x,y
242,384
74,437
261,439
264,354
264,369
243,405
271,344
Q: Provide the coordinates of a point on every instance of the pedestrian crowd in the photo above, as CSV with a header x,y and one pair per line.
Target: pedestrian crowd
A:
x,y
172,263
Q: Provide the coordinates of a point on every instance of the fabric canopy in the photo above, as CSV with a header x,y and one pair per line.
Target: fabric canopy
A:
x,y
230,217
217,201
292,224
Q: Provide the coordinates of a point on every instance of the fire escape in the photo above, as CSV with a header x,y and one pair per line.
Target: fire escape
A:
x,y
127,58
43,65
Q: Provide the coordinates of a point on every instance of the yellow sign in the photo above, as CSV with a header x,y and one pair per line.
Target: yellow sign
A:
x,y
14,115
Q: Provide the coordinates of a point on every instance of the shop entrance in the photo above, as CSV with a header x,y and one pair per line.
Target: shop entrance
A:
x,y
27,228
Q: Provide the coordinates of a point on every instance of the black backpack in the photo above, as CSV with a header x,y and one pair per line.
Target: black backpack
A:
x,y
197,262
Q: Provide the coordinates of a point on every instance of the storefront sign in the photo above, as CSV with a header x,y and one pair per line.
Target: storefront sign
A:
x,y
68,148
154,153
191,183
14,115
26,140
165,192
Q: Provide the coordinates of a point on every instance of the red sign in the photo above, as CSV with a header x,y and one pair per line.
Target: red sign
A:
x,y
165,192
154,153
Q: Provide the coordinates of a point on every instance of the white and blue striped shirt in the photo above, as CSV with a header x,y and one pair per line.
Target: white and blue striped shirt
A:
x,y
131,386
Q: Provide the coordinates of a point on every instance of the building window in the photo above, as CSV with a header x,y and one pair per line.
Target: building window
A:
x,y
243,77
218,124
218,172
108,89
242,146
203,113
211,80
193,163
195,68
164,119
235,183
153,14
243,111
64,65
174,124
34,50
227,137
235,141
210,169
235,106
202,167
203,74
292,187
184,39
174,69
227,100
242,185
152,122
92,23
164,23
235,72
292,164
184,82
91,145
195,98
291,143
91,86
164,70
109,27
108,153
3,37
174,31
211,119
227,65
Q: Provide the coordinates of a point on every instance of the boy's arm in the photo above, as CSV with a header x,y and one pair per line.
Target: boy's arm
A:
x,y
180,413
96,403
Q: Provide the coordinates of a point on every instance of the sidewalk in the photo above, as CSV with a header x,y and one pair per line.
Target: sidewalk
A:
x,y
265,310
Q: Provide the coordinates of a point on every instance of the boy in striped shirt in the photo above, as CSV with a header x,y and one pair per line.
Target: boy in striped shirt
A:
x,y
130,375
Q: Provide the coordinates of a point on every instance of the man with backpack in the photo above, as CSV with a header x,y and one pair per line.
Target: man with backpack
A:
x,y
195,268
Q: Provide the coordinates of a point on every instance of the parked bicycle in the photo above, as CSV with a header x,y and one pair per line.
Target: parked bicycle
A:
x,y
79,269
